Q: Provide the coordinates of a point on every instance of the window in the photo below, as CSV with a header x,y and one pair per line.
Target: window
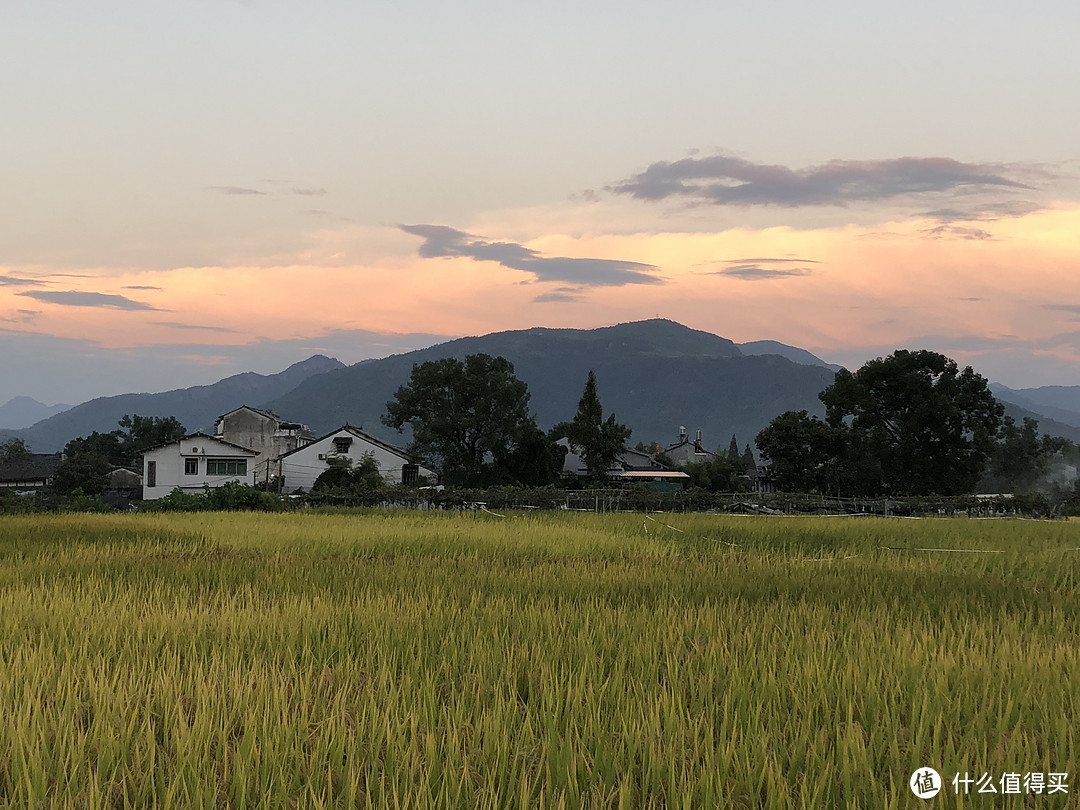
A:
x,y
151,473
226,466
191,466
342,443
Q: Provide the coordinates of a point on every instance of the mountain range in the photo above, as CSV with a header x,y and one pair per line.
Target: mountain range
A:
x,y
197,408
656,376
22,412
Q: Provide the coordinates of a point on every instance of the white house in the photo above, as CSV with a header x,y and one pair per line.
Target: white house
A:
x,y
303,465
194,462
265,433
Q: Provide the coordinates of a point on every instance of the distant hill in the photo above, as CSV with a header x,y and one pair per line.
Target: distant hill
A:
x,y
1046,425
1060,403
792,353
655,375
196,408
22,412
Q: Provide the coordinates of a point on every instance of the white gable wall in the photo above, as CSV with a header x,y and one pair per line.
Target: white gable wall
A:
x,y
170,467
303,466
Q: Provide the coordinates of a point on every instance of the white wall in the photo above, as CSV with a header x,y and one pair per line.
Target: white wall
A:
x,y
303,466
170,466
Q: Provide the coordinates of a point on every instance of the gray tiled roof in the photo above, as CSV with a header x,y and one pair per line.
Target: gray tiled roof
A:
x,y
35,467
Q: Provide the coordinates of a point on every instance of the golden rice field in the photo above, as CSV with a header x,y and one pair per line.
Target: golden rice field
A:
x,y
415,660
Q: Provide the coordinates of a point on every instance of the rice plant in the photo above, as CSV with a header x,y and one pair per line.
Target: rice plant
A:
x,y
419,660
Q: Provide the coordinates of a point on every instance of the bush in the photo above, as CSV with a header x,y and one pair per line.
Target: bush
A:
x,y
232,496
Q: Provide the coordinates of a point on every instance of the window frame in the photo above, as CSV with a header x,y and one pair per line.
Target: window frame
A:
x,y
226,467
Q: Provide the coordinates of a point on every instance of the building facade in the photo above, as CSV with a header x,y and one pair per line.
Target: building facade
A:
x,y
30,473
685,451
193,463
347,445
265,433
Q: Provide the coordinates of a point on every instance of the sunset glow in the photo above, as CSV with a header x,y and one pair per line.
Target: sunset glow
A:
x,y
183,207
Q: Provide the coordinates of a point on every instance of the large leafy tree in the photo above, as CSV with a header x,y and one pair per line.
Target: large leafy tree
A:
x,y
535,461
136,435
718,474
1024,461
914,424
83,473
802,450
465,416
89,459
911,423
599,441
143,432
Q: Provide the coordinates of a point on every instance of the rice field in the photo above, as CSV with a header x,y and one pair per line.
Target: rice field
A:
x,y
418,660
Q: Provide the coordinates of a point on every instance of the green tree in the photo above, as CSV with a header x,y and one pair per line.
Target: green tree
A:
x,y
107,445
748,462
803,451
464,415
535,461
143,432
88,460
914,424
85,473
1019,458
599,441
124,446
718,474
343,476
13,449
733,453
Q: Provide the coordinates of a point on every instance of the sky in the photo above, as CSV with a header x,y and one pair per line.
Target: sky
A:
x,y
192,190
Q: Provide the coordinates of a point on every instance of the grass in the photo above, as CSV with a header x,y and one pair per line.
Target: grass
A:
x,y
546,660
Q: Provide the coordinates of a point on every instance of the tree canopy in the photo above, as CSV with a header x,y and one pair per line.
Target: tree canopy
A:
x,y
13,449
908,424
803,451
342,476
89,459
465,417
598,440
136,435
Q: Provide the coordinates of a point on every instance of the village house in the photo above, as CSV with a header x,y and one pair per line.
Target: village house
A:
x,y
30,473
194,462
685,451
347,445
761,479
264,432
632,466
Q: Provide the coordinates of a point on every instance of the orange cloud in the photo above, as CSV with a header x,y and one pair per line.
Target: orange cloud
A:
x,y
857,286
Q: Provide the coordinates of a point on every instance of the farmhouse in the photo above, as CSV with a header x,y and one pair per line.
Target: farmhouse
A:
x,y
265,433
631,467
194,462
685,451
30,473
347,444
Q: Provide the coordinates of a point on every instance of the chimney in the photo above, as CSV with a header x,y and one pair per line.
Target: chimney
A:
x,y
697,443
682,433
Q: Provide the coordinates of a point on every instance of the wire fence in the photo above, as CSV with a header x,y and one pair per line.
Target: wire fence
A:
x,y
687,501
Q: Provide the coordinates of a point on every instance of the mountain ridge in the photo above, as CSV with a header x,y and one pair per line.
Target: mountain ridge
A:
x,y
655,375
21,412
196,407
